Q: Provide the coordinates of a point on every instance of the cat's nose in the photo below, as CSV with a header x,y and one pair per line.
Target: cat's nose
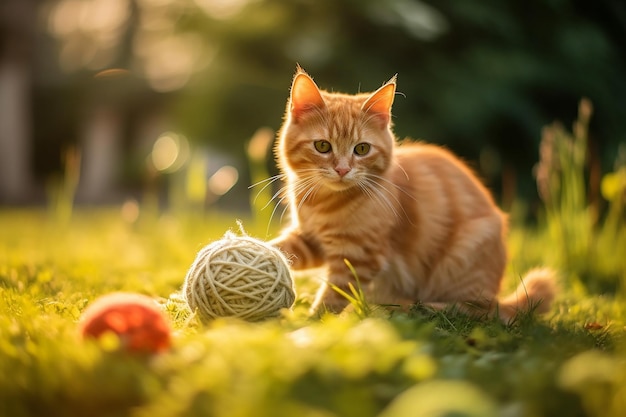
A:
x,y
342,170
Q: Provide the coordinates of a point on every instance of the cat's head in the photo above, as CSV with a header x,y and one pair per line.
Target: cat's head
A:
x,y
336,139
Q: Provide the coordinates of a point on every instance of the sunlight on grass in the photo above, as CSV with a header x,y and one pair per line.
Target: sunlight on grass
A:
x,y
356,364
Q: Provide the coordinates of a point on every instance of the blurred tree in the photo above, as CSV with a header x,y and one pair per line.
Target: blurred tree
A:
x,y
480,77
474,75
17,28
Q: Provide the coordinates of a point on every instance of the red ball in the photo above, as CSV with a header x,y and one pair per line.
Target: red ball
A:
x,y
134,318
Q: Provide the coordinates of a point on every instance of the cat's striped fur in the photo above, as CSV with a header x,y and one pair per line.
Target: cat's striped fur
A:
x,y
413,220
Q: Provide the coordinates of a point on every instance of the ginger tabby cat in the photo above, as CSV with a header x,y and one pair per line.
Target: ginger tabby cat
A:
x,y
412,219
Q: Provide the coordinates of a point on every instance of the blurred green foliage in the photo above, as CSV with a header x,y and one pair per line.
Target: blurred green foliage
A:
x,y
582,237
475,76
472,74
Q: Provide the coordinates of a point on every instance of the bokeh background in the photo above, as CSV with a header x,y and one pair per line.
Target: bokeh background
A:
x,y
105,99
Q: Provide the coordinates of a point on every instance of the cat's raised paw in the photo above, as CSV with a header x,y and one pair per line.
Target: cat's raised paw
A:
x,y
331,302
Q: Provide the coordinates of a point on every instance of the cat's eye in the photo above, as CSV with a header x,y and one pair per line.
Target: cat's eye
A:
x,y
322,146
362,149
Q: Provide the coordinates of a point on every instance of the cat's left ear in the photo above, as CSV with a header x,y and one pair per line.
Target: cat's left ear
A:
x,y
379,103
305,96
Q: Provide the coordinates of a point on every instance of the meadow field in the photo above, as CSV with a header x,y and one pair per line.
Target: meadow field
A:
x,y
367,362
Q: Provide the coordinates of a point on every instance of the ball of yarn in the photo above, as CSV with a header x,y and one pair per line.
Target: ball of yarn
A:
x,y
239,276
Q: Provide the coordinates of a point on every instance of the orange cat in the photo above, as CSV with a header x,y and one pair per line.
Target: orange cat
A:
x,y
413,220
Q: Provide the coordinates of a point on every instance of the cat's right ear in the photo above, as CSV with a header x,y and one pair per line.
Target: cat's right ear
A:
x,y
305,96
379,103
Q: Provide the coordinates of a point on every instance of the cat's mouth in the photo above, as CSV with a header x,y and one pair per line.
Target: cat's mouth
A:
x,y
338,183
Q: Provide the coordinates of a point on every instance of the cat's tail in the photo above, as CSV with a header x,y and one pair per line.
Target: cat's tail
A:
x,y
534,294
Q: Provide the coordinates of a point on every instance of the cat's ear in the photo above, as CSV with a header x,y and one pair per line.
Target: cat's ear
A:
x,y
379,103
305,96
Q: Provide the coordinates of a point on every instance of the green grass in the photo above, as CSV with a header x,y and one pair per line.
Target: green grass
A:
x,y
368,362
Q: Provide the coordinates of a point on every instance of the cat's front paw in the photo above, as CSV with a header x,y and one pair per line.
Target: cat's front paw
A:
x,y
329,301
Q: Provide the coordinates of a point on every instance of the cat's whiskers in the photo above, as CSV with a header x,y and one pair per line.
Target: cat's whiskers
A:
x,y
278,204
305,183
311,185
282,192
403,170
301,183
373,195
268,182
381,191
396,186
376,192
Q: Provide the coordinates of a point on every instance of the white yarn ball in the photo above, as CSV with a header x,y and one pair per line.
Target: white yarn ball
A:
x,y
239,276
